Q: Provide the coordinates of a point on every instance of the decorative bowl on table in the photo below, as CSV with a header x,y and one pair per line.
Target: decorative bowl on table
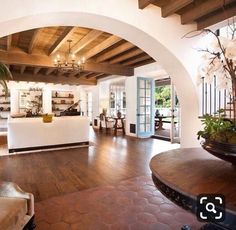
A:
x,y
224,151
47,118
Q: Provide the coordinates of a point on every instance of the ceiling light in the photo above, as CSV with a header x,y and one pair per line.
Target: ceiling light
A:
x,y
69,63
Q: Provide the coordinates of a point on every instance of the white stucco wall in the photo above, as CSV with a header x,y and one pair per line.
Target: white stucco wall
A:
x,y
159,37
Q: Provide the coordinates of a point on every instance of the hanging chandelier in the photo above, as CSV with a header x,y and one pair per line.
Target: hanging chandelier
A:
x,y
69,63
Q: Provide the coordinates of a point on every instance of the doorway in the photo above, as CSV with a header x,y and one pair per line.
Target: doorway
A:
x,y
167,111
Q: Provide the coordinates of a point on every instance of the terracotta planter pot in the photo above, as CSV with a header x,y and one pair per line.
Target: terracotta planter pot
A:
x,y
223,151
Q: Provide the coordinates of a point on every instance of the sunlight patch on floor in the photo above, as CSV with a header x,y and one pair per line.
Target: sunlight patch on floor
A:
x,y
162,146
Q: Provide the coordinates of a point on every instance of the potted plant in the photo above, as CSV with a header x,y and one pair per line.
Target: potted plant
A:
x,y
219,60
5,75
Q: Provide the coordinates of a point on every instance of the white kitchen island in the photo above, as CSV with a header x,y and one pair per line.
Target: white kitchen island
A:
x,y
25,134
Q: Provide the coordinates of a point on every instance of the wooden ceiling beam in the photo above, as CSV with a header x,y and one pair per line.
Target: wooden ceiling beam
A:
x,y
108,69
160,3
33,41
102,76
78,74
118,50
141,63
136,59
88,38
102,46
9,39
36,70
49,71
126,56
44,61
62,39
94,75
219,16
51,79
202,9
173,6
83,74
144,3
22,69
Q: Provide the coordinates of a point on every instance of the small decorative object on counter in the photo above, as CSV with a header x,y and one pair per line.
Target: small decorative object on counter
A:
x,y
56,94
47,118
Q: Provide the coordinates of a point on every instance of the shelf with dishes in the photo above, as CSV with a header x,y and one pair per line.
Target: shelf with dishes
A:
x,y
61,100
63,103
5,107
70,97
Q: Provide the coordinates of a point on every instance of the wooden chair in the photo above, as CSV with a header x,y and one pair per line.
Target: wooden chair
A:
x,y
106,123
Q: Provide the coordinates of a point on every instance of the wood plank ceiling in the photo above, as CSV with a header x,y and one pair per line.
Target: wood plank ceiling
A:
x,y
30,55
204,12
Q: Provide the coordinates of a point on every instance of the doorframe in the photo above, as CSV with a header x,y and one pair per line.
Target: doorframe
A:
x,y
145,134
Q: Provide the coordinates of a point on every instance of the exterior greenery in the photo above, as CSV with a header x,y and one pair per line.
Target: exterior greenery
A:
x,y
162,96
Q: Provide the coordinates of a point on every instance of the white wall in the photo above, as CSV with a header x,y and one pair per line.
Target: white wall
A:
x,y
131,104
95,102
104,90
160,37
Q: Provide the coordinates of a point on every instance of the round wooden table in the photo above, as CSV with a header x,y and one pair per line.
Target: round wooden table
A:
x,y
183,174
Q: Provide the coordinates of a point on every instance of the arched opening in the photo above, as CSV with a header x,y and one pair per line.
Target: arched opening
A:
x,y
184,85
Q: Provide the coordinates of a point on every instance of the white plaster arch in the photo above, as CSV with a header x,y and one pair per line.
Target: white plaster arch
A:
x,y
160,38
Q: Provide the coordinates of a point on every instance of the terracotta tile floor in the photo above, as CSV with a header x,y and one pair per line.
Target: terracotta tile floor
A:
x,y
132,204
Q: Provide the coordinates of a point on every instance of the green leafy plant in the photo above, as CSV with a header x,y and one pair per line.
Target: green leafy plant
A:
x,y
5,75
218,128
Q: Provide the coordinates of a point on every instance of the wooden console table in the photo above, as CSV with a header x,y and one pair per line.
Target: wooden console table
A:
x,y
183,174
116,126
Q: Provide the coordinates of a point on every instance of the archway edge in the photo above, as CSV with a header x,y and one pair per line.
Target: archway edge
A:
x,y
129,29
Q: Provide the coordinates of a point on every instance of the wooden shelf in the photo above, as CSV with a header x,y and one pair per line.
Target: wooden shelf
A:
x,y
4,103
63,103
5,111
64,97
59,110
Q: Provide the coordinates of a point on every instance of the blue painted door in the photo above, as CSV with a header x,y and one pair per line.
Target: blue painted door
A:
x,y
145,99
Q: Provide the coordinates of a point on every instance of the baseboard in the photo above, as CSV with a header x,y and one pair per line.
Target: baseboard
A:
x,y
85,143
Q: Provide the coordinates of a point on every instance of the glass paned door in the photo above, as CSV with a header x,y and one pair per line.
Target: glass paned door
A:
x,y
145,121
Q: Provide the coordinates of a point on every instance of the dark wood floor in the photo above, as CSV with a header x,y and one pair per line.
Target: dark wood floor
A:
x,y
107,161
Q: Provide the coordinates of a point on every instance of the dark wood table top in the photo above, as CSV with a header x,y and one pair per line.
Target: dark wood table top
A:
x,y
192,171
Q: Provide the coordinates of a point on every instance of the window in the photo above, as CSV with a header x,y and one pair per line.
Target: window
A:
x,y
117,99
